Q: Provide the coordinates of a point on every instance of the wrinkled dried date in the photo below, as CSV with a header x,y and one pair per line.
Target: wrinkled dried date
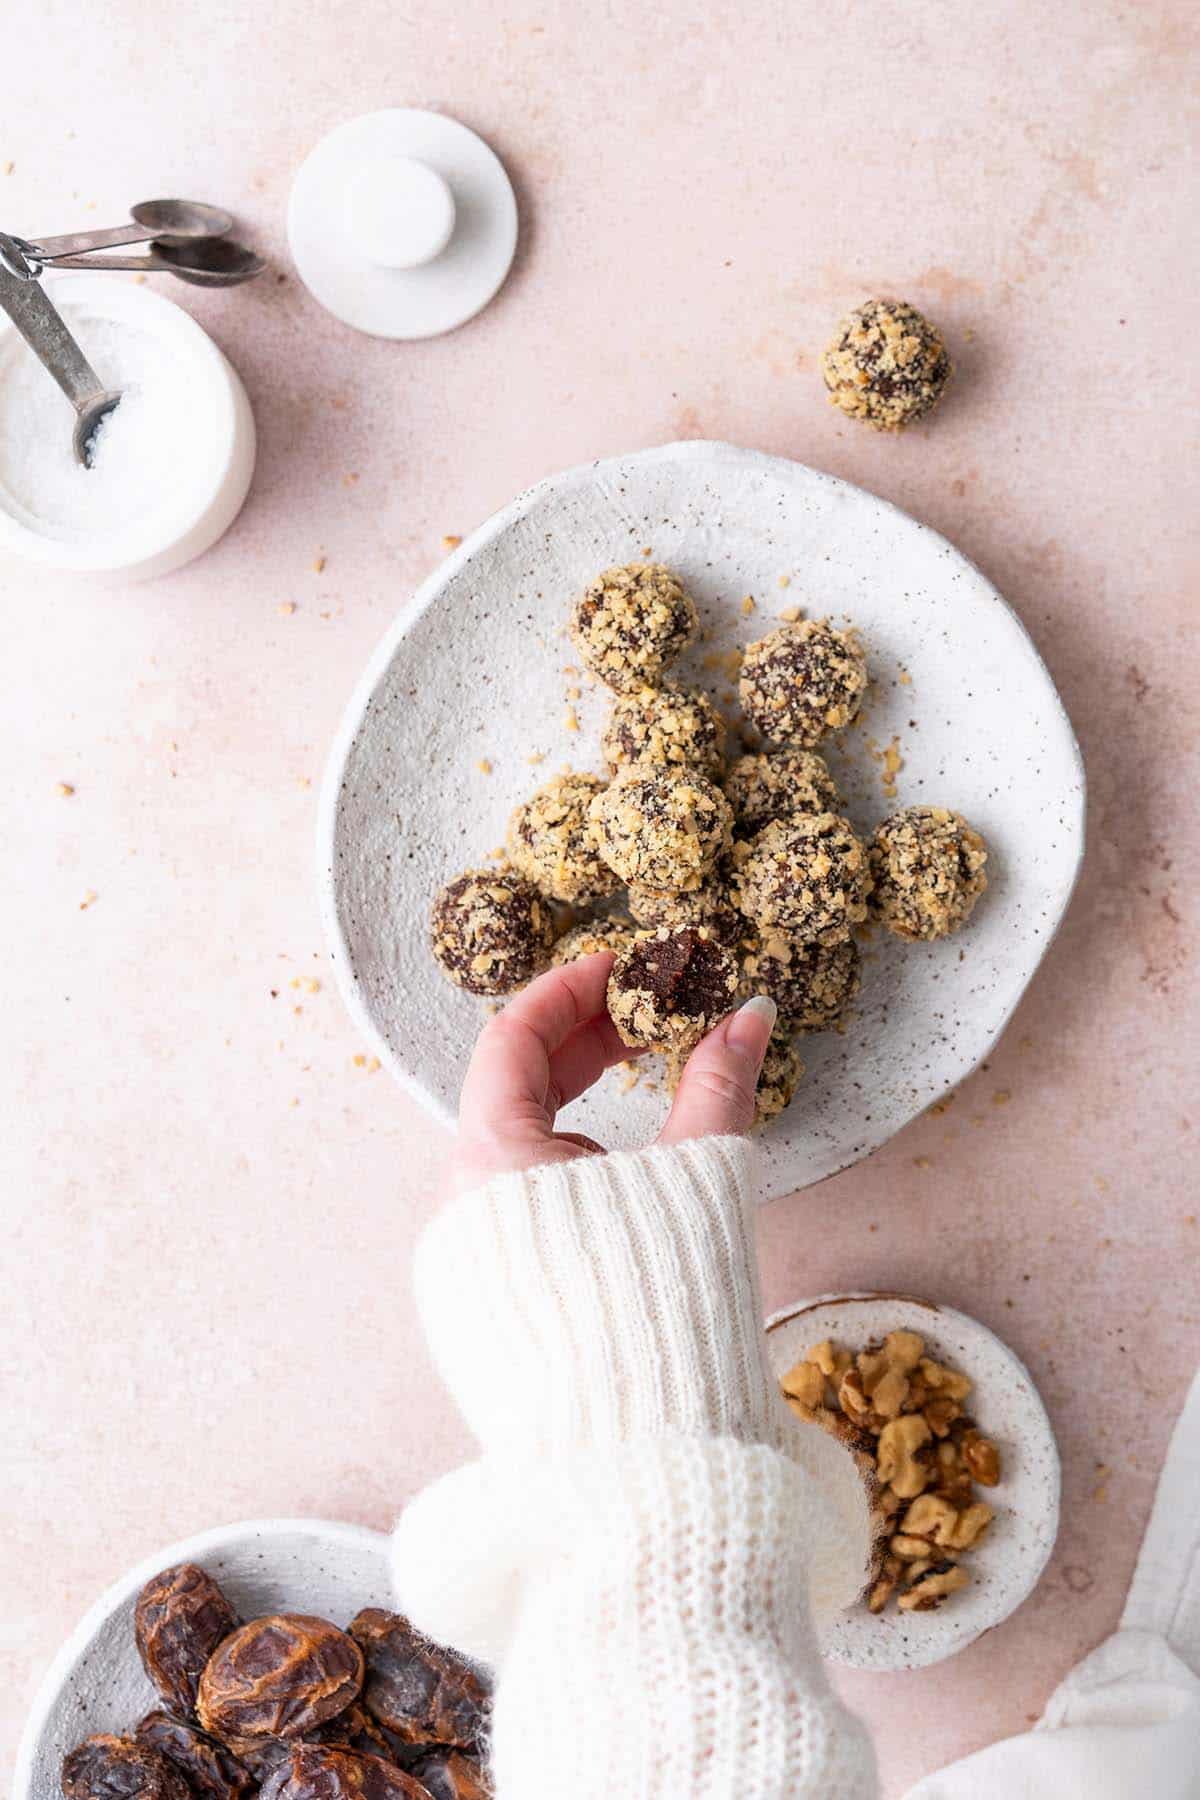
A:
x,y
261,1755
449,1775
211,1770
323,1772
180,1618
279,1677
418,1691
355,1729
118,1768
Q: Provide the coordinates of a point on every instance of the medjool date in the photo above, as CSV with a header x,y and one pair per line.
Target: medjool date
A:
x,y
211,1770
279,1677
355,1729
322,1772
449,1775
180,1618
417,1690
117,1768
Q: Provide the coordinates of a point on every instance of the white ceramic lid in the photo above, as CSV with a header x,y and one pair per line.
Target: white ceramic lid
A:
x,y
402,223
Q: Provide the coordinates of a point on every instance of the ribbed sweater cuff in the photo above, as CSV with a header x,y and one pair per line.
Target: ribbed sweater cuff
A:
x,y
601,1299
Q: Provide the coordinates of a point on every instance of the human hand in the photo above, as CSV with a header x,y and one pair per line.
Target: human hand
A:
x,y
554,1040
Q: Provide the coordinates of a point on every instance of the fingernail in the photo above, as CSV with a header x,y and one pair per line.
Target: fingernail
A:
x,y
752,1024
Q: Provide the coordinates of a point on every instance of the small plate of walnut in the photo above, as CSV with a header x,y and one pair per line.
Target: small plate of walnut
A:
x,y
958,1457
257,1659
746,726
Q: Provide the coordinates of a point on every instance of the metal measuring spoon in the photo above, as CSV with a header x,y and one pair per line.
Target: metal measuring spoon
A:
x,y
45,331
208,262
171,221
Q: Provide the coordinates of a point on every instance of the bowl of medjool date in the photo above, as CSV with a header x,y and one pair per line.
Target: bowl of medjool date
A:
x,y
263,1659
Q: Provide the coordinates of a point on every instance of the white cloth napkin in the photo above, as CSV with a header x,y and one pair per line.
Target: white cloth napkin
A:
x,y
1125,1724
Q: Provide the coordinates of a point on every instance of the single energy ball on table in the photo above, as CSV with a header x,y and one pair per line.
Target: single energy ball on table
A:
x,y
661,830
811,984
669,988
590,937
886,365
492,931
677,727
774,783
927,864
803,681
549,841
709,905
630,623
808,875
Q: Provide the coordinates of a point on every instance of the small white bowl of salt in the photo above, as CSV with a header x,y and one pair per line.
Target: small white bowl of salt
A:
x,y
170,465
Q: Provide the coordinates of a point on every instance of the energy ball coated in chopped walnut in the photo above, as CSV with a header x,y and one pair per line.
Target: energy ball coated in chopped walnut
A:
x,y
492,931
630,623
669,988
590,937
709,905
927,865
677,727
807,875
811,984
661,830
780,1076
803,681
886,365
772,784
550,843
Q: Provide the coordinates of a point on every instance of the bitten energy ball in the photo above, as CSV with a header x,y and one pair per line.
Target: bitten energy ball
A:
x,y
590,937
630,623
807,875
803,681
811,984
709,905
774,784
675,727
492,931
779,1078
549,841
887,365
670,988
928,869
662,831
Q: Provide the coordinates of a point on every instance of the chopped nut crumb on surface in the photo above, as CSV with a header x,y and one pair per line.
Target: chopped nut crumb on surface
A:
x,y
319,565
484,766
451,541
287,608
89,899
65,789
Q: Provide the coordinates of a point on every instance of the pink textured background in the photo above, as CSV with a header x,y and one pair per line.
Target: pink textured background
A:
x,y
209,1210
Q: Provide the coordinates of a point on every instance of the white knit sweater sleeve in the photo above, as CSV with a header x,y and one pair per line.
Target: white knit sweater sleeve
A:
x,y
643,1545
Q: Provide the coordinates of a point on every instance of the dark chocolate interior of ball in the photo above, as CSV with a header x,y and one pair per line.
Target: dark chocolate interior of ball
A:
x,y
686,972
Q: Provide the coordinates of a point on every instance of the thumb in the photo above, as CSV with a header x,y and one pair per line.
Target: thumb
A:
x,y
716,1091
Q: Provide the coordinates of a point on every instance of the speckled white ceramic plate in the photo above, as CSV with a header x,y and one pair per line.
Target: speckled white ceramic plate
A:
x,y
1007,1408
473,671
97,1683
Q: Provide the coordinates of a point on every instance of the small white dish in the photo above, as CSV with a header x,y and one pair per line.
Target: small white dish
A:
x,y
402,223
97,1683
202,507
473,671
1007,1408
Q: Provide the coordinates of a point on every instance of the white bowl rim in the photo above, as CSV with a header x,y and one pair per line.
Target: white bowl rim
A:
x,y
429,591
189,1549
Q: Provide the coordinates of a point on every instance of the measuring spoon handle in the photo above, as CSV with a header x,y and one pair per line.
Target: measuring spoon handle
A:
x,y
45,331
